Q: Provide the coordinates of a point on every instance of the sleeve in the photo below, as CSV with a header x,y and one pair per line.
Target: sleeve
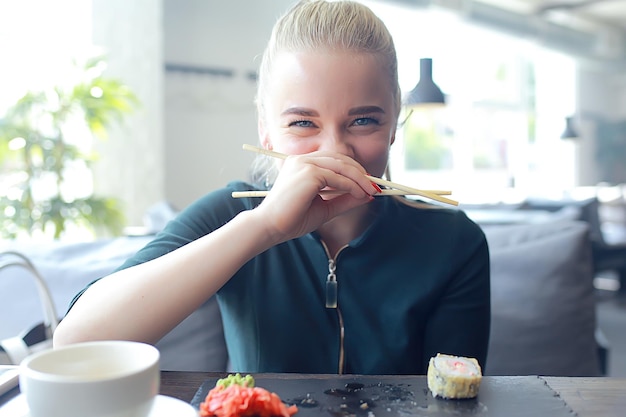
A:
x,y
460,324
199,219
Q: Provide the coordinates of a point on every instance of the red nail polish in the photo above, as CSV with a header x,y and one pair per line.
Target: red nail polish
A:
x,y
380,190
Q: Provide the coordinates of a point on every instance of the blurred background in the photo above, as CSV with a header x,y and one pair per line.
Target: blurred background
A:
x,y
114,114
180,81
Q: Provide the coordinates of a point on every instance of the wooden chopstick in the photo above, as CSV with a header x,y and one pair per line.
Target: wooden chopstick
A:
x,y
258,193
379,181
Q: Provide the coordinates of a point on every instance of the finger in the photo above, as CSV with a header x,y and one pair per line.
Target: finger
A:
x,y
343,167
344,203
314,178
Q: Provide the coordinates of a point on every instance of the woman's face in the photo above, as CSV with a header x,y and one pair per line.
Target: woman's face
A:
x,y
338,101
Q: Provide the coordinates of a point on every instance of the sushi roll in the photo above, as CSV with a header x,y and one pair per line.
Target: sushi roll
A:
x,y
453,377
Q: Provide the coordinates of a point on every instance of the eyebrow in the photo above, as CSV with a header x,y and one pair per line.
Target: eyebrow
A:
x,y
365,109
302,111
299,111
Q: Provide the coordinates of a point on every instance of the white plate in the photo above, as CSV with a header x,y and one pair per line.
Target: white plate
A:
x,y
163,407
169,406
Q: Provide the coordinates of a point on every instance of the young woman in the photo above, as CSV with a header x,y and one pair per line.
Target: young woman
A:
x,y
311,283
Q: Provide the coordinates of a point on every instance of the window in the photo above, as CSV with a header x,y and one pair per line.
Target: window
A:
x,y
499,134
39,39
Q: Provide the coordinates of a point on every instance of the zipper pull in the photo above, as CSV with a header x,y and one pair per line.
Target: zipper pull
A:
x,y
331,285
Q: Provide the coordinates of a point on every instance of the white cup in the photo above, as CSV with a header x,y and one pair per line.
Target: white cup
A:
x,y
92,379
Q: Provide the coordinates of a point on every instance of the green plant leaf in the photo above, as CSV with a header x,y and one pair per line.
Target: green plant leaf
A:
x,y
41,118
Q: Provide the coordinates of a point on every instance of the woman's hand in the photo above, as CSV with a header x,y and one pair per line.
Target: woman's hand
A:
x,y
294,206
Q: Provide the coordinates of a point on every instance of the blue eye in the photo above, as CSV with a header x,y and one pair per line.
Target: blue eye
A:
x,y
364,121
301,123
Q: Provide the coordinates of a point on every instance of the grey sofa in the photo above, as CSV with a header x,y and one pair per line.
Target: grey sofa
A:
x,y
196,344
543,320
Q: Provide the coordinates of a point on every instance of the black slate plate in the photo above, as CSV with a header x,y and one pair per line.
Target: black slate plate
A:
x,y
393,396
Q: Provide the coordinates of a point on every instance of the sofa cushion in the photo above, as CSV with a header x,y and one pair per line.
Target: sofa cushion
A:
x,y
543,305
195,344
66,268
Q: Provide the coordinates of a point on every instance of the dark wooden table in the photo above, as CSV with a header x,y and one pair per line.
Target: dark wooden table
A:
x,y
593,397
586,397
183,385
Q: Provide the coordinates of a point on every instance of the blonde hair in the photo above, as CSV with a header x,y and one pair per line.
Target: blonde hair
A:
x,y
314,25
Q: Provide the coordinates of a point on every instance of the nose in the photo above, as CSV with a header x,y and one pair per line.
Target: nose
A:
x,y
335,140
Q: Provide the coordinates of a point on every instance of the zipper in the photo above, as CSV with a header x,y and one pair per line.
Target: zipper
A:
x,y
331,301
331,285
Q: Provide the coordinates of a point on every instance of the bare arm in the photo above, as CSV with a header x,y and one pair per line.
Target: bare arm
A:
x,y
146,301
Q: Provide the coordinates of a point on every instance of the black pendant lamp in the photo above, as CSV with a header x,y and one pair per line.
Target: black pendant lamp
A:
x,y
570,130
426,92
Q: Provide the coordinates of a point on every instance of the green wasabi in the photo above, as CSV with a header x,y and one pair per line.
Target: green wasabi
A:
x,y
237,379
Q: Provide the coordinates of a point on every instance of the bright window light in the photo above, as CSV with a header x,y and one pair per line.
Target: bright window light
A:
x,y
39,40
498,137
